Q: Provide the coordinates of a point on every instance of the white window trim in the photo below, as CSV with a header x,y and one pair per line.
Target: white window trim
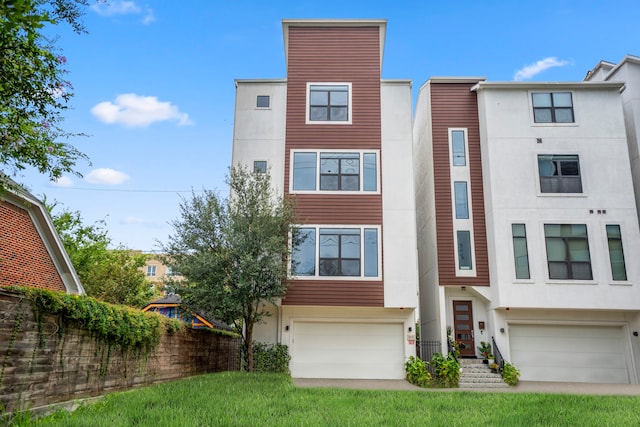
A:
x,y
527,227
583,177
337,150
329,122
466,148
573,102
362,277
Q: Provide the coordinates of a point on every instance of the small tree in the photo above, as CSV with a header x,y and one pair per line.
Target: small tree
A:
x,y
113,276
233,253
33,91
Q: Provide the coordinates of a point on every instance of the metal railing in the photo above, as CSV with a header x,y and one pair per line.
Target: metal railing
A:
x,y
496,353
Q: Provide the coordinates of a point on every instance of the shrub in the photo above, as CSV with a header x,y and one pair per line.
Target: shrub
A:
x,y
417,373
270,357
510,374
446,370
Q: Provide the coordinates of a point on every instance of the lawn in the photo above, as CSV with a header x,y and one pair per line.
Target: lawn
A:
x,y
241,399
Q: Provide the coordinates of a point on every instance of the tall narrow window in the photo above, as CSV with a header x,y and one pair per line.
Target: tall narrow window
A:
x,y
371,252
461,199
464,250
303,258
458,149
568,251
151,271
370,172
520,253
304,171
616,254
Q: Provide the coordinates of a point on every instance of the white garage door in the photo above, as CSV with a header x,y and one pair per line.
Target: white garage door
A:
x,y
347,350
594,354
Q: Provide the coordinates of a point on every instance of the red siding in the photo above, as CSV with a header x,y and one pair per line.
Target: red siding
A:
x,y
24,259
335,54
453,105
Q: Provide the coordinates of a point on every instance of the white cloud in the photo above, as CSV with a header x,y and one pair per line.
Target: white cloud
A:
x,y
531,70
106,176
138,111
110,8
123,7
63,181
130,220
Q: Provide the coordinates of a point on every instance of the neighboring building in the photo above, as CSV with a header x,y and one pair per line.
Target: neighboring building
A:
x,y
338,138
525,190
157,272
628,72
31,252
169,306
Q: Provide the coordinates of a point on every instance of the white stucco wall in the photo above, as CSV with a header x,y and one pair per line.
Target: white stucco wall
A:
x,y
398,198
512,195
259,133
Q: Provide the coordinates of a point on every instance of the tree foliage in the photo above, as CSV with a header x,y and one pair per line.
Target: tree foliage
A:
x,y
113,276
233,252
33,89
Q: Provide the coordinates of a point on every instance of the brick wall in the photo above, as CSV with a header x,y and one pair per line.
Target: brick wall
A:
x,y
74,365
24,259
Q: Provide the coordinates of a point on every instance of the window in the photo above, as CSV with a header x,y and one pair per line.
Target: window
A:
x,y
328,171
616,254
263,101
336,252
554,107
559,173
520,254
329,103
461,199
151,271
464,250
568,251
458,149
260,166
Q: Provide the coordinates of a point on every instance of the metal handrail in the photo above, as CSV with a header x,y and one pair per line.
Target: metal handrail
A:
x,y
496,353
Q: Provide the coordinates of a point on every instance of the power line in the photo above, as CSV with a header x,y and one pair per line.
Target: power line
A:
x,y
115,190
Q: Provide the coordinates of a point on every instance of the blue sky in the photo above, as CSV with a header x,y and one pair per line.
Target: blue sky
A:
x,y
154,82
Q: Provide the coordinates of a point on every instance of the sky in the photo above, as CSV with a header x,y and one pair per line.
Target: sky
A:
x,y
153,83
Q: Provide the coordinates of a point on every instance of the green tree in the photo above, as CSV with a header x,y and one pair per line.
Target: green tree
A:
x,y
113,276
233,252
33,89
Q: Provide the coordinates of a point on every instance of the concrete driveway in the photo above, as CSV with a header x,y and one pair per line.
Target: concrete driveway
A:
x,y
523,387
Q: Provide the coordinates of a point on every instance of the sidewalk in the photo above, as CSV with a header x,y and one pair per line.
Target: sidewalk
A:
x,y
523,387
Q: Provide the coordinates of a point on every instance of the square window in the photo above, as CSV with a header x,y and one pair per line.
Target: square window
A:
x,y
552,107
263,101
260,166
559,173
568,251
329,103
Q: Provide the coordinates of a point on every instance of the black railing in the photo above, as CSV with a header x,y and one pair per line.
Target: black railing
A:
x,y
496,354
425,350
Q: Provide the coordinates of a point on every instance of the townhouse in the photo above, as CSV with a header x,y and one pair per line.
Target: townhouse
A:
x,y
525,190
338,138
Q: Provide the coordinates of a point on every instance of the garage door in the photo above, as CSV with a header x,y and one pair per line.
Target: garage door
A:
x,y
594,354
347,350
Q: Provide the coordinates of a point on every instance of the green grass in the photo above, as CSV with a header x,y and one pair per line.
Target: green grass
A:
x,y
241,399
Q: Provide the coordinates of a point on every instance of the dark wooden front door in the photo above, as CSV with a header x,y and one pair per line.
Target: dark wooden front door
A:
x,y
463,327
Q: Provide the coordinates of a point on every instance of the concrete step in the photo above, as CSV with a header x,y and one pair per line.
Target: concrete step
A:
x,y
467,385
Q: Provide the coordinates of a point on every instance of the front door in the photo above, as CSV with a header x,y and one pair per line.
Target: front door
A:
x,y
463,328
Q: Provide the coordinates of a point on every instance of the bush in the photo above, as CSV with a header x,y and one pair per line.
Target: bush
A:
x,y
446,370
417,373
510,374
270,357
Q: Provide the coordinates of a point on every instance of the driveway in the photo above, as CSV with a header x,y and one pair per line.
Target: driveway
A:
x,y
522,387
